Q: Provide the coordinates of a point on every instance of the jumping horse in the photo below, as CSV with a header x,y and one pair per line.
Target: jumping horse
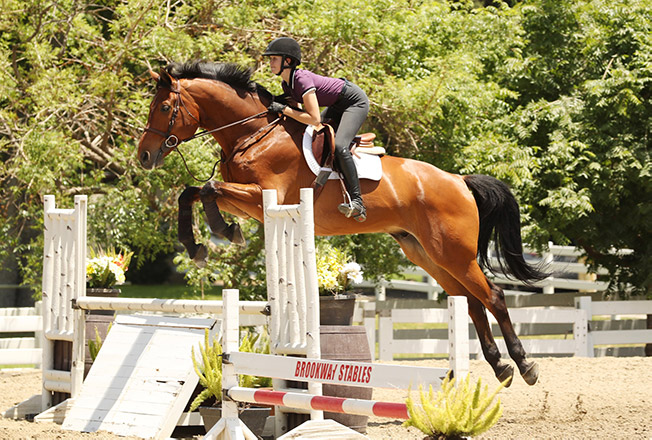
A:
x,y
442,221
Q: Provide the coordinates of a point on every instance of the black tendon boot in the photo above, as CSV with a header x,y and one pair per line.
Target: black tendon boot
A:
x,y
356,207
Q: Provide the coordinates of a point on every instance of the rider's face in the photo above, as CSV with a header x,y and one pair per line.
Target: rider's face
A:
x,y
275,62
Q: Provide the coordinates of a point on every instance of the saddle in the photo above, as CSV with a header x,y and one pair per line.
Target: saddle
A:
x,y
323,149
323,145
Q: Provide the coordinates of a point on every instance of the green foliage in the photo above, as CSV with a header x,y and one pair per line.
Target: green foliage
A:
x,y
238,267
456,411
258,343
551,96
95,344
209,370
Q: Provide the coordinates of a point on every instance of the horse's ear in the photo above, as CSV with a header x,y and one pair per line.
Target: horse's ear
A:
x,y
165,79
155,76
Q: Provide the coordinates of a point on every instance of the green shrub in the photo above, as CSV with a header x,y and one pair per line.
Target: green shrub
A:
x,y
455,411
210,368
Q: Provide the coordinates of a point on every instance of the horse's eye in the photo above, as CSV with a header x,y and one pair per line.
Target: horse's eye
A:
x,y
165,108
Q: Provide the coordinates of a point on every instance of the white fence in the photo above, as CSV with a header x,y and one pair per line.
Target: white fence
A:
x,y
593,328
618,329
24,350
17,348
565,263
544,330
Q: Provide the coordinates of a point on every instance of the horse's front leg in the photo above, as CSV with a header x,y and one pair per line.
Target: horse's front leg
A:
x,y
243,200
197,252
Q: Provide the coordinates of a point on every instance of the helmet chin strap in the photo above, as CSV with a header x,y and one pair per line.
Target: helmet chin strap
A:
x,y
283,67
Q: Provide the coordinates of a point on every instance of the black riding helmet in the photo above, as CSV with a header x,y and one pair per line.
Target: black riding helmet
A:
x,y
286,47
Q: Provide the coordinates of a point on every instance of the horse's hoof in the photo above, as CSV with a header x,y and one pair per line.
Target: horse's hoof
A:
x,y
234,235
531,375
201,256
506,375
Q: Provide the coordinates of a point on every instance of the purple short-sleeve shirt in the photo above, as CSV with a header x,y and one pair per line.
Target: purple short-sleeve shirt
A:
x,y
302,81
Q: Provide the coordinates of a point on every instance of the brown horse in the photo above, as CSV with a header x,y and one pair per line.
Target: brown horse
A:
x,y
442,221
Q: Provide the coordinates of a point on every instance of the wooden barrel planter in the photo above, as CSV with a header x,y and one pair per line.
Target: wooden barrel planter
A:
x,y
336,309
342,343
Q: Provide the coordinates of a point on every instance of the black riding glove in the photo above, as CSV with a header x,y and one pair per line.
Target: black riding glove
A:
x,y
276,107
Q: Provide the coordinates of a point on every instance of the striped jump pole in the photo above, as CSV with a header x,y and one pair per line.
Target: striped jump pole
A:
x,y
320,403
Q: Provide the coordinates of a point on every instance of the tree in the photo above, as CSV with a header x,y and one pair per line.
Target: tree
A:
x,y
550,96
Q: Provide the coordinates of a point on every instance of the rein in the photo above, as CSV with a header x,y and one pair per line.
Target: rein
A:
x,y
172,142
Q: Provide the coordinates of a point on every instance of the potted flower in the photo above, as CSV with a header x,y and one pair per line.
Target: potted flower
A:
x,y
208,366
335,274
106,269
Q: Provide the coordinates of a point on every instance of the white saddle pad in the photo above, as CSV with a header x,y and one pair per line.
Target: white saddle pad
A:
x,y
369,166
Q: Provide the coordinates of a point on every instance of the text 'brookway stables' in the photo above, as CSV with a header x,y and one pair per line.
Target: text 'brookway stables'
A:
x,y
329,371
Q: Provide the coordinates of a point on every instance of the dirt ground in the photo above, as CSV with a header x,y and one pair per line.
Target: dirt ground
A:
x,y
575,398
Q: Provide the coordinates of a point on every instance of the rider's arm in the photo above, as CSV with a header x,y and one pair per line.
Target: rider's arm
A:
x,y
310,115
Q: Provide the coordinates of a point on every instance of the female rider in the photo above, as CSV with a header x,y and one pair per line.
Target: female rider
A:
x,y
346,104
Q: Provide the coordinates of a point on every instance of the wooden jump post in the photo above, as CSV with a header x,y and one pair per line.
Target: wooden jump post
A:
x,y
65,300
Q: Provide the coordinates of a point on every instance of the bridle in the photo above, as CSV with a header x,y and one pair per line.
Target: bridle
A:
x,y
172,142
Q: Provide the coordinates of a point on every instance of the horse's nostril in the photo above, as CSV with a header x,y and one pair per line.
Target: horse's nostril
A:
x,y
144,157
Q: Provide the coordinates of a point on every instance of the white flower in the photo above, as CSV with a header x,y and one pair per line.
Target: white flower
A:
x,y
353,272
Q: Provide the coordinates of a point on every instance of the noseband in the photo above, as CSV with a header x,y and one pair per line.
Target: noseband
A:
x,y
171,141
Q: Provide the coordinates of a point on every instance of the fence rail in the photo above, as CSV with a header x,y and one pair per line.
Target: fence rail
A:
x,y
549,325
565,262
591,328
16,348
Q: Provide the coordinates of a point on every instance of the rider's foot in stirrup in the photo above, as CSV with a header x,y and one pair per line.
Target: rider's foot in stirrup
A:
x,y
355,209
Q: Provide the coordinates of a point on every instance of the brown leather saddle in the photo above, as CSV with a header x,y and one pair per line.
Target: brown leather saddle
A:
x,y
323,145
323,148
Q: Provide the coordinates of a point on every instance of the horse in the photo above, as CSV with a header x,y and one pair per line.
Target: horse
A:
x,y
443,222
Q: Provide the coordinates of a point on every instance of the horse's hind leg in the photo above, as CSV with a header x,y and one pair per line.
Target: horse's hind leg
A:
x,y
415,253
490,350
529,370
492,297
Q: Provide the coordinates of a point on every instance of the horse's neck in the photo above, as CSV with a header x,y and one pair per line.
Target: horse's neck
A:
x,y
220,105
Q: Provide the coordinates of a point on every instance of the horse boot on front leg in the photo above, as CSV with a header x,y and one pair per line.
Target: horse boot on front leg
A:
x,y
196,251
218,226
355,208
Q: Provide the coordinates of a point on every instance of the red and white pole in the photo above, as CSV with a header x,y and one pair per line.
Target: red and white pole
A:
x,y
320,403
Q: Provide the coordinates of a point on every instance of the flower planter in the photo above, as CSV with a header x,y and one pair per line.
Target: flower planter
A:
x,y
336,309
253,417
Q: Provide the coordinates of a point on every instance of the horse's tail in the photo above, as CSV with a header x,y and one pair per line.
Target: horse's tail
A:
x,y
499,215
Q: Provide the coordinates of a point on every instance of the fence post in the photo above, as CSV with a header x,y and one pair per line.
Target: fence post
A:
x,y
583,303
381,290
547,260
432,289
458,336
79,289
230,344
385,335
369,322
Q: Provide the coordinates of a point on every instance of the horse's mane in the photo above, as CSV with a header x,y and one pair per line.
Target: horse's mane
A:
x,y
228,73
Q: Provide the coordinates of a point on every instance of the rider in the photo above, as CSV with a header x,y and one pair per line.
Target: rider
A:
x,y
346,104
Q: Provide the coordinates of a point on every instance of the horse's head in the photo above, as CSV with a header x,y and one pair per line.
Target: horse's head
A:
x,y
170,121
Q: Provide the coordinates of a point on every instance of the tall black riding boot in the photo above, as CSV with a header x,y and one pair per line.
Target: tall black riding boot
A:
x,y
356,208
